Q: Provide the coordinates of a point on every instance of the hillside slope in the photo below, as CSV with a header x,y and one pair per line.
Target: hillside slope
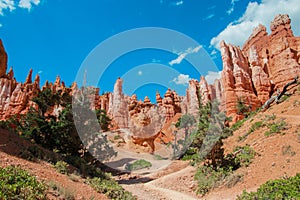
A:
x,y
277,155
12,147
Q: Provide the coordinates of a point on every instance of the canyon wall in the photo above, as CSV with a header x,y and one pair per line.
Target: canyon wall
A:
x,y
264,65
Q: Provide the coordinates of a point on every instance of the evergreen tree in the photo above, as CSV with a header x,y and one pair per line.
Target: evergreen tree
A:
x,y
103,119
185,122
242,108
207,139
60,132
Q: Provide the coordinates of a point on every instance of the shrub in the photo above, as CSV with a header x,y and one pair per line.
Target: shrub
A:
x,y
288,150
238,124
110,188
242,108
139,164
276,128
65,193
241,122
62,167
256,126
158,157
35,152
244,156
208,178
16,183
74,177
233,179
191,154
117,137
276,189
284,97
270,117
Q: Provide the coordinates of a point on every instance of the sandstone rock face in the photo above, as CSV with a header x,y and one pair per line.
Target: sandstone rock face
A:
x,y
205,91
236,81
170,105
3,60
280,21
16,97
146,120
190,103
264,64
218,90
261,83
277,54
118,106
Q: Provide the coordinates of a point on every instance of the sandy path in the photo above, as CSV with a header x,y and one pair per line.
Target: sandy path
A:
x,y
158,189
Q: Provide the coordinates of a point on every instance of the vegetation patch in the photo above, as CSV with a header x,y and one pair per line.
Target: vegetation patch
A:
x,y
276,189
117,137
233,179
59,133
110,188
284,98
242,108
63,192
276,128
62,167
139,164
16,183
238,124
241,122
243,156
254,127
270,117
158,157
191,154
74,177
209,178
287,150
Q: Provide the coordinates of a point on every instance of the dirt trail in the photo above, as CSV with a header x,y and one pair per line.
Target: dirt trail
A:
x,y
164,186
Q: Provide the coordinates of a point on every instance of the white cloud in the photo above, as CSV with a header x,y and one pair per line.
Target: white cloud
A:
x,y
178,60
213,52
11,5
182,55
182,79
209,16
177,3
238,31
212,7
39,72
212,76
6,5
140,73
231,9
27,4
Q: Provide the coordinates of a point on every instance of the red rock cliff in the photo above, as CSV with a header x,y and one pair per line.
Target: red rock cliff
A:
x,y
264,64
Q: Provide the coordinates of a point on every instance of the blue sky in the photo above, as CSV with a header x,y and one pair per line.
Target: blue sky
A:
x,y
54,37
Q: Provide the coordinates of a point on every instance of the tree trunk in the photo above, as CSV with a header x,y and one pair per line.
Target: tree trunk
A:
x,y
279,94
